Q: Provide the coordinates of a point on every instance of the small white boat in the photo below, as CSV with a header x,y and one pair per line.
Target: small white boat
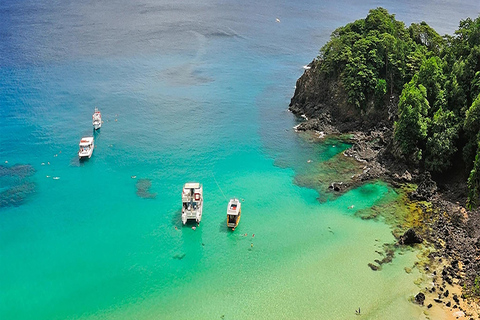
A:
x,y
86,147
97,119
192,199
234,211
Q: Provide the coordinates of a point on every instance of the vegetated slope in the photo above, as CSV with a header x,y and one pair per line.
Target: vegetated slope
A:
x,y
376,72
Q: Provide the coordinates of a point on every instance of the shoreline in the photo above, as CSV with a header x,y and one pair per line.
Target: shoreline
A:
x,y
445,224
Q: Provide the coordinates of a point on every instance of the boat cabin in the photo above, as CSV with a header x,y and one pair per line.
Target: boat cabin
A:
x,y
86,146
234,212
192,202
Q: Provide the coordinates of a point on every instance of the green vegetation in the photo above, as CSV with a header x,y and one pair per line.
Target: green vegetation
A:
x,y
437,80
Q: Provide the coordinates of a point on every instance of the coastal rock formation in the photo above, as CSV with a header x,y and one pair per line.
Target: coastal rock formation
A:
x,y
338,186
420,298
318,96
410,237
426,189
322,124
438,212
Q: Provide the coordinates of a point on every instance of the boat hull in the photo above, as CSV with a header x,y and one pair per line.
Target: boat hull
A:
x,y
85,155
192,202
234,224
192,215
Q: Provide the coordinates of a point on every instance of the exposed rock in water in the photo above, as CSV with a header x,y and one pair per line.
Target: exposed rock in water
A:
x,y
420,298
321,124
338,186
409,238
143,189
373,267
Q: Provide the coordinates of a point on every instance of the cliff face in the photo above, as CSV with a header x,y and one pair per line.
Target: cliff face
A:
x,y
318,96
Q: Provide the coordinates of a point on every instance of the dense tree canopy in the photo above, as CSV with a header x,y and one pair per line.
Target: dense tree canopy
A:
x,y
437,79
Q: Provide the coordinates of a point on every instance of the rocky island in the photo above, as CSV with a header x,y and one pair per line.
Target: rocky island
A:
x,y
410,101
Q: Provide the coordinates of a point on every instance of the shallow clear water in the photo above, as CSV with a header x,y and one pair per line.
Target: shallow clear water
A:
x,y
188,92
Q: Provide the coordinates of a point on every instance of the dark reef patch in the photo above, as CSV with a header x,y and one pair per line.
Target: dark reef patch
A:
x,y
16,185
143,189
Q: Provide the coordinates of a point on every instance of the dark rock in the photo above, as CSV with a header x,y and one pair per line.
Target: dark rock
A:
x,y
420,298
448,304
338,186
426,188
446,293
438,300
373,267
409,238
455,264
323,123
143,189
455,298
429,306
316,93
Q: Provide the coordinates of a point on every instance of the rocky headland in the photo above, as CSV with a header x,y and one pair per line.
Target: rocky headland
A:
x,y
446,226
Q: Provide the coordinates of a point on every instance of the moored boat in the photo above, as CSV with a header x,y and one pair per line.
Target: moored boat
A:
x,y
192,202
234,211
97,119
86,147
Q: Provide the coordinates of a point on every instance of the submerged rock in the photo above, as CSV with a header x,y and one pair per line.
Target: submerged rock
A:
x,y
373,267
179,256
16,183
143,189
18,170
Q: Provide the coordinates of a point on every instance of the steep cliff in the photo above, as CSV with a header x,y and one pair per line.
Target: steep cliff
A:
x,y
319,96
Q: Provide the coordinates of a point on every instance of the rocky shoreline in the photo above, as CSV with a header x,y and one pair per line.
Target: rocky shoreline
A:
x,y
453,232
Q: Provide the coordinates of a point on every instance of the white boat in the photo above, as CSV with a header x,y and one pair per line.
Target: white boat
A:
x,y
86,147
97,119
192,199
234,211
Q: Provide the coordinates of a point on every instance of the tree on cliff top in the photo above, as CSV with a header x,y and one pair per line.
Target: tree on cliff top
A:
x,y
411,128
375,50
437,79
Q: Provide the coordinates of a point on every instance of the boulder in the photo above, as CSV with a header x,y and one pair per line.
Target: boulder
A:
x,y
323,123
420,298
337,186
373,267
410,238
426,188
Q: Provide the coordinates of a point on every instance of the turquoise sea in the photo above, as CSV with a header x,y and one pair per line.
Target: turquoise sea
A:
x,y
189,91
